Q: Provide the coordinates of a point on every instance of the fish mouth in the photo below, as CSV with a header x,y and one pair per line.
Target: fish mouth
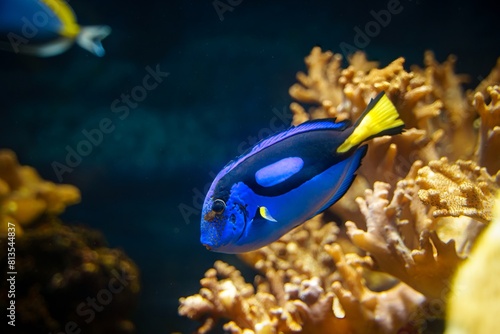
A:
x,y
207,247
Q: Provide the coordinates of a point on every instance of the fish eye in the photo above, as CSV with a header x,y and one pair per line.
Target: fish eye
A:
x,y
218,206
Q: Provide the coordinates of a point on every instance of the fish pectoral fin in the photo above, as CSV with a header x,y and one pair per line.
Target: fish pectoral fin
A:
x,y
380,118
264,212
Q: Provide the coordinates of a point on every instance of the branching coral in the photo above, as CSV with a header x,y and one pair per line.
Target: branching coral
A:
x,y
425,264
316,86
414,210
293,299
461,189
299,256
65,274
420,96
368,311
60,271
344,93
25,197
230,297
457,114
289,299
489,134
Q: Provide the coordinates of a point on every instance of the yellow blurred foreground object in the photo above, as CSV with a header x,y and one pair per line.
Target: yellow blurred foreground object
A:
x,y
474,303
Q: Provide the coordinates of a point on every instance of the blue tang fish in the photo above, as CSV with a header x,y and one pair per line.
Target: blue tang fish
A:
x,y
289,178
45,28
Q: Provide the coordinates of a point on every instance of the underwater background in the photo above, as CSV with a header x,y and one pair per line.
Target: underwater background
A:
x,y
228,77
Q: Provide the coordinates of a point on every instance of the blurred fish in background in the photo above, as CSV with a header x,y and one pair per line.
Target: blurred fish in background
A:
x,y
46,28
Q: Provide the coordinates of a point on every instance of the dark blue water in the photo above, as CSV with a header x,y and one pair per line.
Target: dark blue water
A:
x,y
228,77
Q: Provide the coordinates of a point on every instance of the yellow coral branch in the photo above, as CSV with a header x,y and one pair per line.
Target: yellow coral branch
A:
x,y
25,196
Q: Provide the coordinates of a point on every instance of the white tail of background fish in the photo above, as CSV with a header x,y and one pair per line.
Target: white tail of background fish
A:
x,y
90,39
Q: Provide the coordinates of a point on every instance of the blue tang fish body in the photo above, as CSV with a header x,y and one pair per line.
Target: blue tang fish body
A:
x,y
45,28
289,178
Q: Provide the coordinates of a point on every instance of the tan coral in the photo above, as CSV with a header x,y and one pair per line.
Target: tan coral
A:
x,y
298,255
404,248
396,154
462,188
345,93
71,265
368,311
388,159
492,79
319,85
489,139
415,227
225,294
353,88
420,96
289,302
25,196
54,261
458,114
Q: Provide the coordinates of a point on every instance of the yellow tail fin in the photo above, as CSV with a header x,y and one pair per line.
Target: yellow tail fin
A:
x,y
380,118
69,28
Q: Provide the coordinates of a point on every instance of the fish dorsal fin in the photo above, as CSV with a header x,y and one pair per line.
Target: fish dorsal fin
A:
x,y
317,124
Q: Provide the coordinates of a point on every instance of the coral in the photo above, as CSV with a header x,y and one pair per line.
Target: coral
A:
x,y
473,306
461,189
305,289
429,99
293,267
439,117
60,270
300,255
404,248
230,297
489,133
367,311
67,277
457,114
419,204
491,80
25,197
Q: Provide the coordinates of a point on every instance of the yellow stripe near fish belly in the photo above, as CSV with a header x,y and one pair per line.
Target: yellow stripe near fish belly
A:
x,y
382,117
69,27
